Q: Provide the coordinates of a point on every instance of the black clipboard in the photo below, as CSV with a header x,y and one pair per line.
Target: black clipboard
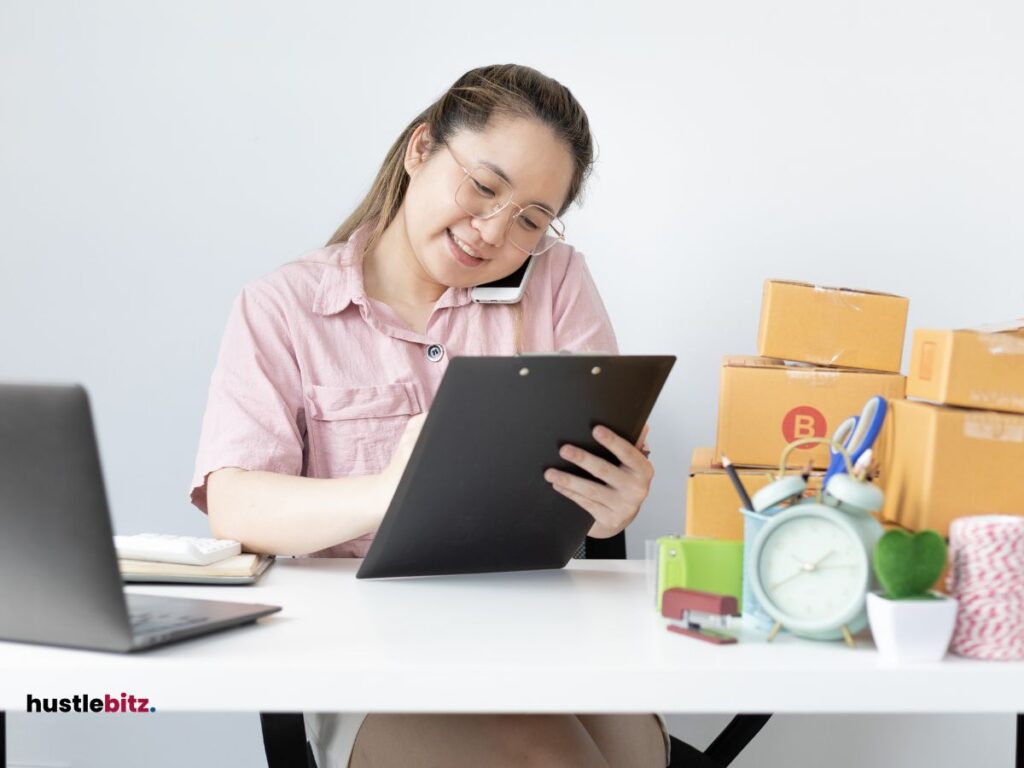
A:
x,y
473,498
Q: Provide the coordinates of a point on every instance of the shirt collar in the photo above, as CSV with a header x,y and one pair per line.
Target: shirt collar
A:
x,y
344,285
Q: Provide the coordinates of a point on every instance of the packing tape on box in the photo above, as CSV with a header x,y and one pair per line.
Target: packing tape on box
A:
x,y
848,298
994,426
817,378
987,579
1002,344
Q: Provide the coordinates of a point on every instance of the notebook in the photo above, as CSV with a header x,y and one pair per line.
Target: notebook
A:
x,y
238,569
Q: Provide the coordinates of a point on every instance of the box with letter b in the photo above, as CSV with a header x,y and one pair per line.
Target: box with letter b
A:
x,y
765,404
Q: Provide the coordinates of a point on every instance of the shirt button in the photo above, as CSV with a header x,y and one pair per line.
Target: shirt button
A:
x,y
435,352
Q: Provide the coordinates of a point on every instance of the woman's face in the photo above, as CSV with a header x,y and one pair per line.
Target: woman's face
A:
x,y
451,246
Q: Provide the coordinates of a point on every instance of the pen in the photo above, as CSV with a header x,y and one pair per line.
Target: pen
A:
x,y
737,484
860,469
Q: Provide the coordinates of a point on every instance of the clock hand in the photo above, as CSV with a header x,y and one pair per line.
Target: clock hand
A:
x,y
822,559
801,572
804,567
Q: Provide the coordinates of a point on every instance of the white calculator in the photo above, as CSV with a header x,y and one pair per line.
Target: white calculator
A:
x,y
171,548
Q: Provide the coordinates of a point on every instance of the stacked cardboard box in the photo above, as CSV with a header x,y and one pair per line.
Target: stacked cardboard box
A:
x,y
765,404
823,352
962,453
712,508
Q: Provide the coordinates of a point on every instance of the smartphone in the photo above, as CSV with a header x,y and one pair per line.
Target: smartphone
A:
x,y
507,290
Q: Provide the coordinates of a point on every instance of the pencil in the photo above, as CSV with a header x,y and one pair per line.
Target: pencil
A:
x,y
737,484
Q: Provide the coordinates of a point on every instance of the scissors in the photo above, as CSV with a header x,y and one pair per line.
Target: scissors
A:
x,y
857,434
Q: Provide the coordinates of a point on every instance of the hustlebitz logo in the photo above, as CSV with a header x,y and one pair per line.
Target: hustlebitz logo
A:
x,y
126,703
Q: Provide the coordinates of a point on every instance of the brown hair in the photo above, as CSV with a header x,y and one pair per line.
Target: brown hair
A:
x,y
507,90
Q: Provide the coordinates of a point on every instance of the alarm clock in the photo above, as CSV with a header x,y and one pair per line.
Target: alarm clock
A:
x,y
809,566
810,571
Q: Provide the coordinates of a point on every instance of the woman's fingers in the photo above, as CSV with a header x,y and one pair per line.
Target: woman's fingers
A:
x,y
614,498
595,465
630,482
630,456
641,442
599,493
603,516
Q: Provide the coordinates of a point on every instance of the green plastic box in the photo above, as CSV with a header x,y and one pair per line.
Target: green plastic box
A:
x,y
702,564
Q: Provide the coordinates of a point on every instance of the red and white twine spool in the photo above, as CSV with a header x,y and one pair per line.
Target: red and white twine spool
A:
x,y
986,576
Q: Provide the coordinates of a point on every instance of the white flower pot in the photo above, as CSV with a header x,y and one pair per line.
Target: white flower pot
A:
x,y
912,630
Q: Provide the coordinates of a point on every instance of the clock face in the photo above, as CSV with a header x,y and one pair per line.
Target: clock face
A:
x,y
813,570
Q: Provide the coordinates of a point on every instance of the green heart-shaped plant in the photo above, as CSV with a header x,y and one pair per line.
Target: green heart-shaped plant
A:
x,y
907,565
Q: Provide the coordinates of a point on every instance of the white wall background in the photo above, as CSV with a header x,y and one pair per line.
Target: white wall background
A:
x,y
156,156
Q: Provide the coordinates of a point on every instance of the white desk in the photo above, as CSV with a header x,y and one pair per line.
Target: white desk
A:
x,y
585,639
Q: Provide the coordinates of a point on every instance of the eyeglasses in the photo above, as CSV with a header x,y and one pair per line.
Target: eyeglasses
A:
x,y
483,194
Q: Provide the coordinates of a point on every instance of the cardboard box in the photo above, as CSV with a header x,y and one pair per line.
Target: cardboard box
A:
x,y
712,506
947,462
764,404
832,326
982,368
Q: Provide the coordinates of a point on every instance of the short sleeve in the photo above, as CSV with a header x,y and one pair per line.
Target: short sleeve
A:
x,y
254,418
581,322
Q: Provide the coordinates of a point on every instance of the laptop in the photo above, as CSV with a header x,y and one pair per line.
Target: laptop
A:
x,y
59,580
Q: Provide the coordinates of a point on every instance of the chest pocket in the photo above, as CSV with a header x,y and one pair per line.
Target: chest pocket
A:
x,y
354,430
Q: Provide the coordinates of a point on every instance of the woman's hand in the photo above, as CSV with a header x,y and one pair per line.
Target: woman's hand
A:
x,y
614,502
396,466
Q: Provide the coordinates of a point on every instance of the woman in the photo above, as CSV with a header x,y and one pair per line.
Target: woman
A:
x,y
328,363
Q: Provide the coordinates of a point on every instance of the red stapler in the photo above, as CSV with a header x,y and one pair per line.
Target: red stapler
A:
x,y
697,610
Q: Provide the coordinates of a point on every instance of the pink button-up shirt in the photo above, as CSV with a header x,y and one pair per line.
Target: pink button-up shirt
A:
x,y
314,378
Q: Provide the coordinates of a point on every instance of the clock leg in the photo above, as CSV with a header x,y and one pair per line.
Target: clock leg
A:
x,y
847,636
775,631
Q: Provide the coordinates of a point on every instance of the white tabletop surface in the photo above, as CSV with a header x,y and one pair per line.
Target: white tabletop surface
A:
x,y
583,639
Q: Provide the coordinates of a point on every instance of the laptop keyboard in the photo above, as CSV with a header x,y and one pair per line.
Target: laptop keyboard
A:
x,y
151,622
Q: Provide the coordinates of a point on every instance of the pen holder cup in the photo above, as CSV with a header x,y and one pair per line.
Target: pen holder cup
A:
x,y
652,553
753,613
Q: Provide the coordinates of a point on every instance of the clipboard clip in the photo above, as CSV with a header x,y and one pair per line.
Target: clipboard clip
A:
x,y
701,615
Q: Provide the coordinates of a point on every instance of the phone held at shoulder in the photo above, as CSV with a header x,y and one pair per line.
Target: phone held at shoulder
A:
x,y
507,290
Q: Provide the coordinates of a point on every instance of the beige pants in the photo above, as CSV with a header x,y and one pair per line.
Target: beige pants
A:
x,y
333,735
